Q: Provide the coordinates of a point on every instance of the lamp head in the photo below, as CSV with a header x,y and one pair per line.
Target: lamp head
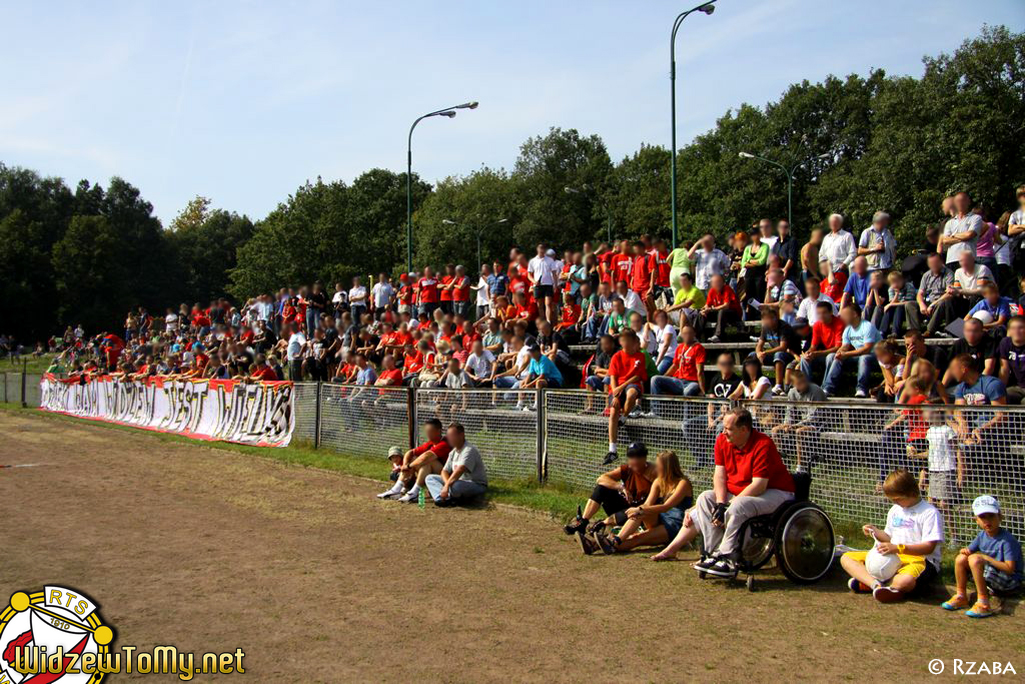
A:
x,y
707,9
448,222
449,114
504,220
747,155
469,105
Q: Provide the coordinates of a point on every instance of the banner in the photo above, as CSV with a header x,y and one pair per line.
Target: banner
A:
x,y
258,414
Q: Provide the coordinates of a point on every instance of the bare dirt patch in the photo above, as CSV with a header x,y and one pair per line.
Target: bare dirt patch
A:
x,y
319,582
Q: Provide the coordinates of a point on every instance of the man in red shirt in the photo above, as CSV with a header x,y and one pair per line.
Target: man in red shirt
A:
x,y
721,305
640,271
405,294
627,374
621,263
826,339
460,289
418,463
750,479
686,377
260,371
445,288
658,264
428,293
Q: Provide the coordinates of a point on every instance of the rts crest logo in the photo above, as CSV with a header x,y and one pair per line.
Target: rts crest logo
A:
x,y
58,626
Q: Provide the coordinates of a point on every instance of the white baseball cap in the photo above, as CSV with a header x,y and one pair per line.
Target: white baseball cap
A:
x,y
985,504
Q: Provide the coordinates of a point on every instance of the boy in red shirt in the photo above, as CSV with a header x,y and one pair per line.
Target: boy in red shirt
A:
x,y
658,264
628,371
420,462
621,263
826,339
640,271
721,305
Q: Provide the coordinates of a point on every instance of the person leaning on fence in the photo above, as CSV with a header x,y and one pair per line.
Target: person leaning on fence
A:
x,y
913,533
614,493
661,514
750,479
463,476
627,374
418,463
993,561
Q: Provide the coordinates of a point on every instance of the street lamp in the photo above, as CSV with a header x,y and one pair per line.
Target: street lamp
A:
x,y
478,232
704,8
604,205
447,112
790,177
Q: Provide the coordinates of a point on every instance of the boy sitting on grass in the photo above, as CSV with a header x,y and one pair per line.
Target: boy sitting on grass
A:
x,y
994,560
914,531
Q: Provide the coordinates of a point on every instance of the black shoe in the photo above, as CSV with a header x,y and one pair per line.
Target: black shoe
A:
x,y
587,544
596,528
705,563
577,524
610,458
607,544
723,567
443,503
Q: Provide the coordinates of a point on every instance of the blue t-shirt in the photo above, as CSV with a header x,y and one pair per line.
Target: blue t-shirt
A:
x,y
858,287
1003,547
366,376
497,284
546,367
865,333
984,392
1001,308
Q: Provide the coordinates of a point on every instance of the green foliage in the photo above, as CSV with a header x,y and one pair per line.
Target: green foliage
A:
x,y
898,144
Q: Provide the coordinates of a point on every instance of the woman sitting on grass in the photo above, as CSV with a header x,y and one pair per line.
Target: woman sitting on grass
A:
x,y
661,514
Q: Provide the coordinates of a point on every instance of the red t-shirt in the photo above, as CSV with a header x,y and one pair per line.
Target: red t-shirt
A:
x,y
428,290
624,366
446,295
406,294
529,311
440,450
518,285
605,266
727,296
461,292
640,274
917,427
835,291
415,361
758,458
659,263
570,315
827,336
689,361
621,267
264,373
393,376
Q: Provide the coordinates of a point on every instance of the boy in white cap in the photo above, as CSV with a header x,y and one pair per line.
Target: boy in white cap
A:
x,y
994,561
395,456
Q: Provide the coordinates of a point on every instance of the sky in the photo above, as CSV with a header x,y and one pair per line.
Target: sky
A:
x,y
242,102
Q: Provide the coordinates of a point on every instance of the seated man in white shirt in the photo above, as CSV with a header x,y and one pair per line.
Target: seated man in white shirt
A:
x,y
463,475
808,309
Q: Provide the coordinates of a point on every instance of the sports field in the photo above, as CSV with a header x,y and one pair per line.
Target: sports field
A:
x,y
317,581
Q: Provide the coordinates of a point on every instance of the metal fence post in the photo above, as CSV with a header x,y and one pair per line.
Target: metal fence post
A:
x,y
24,373
411,415
319,416
542,420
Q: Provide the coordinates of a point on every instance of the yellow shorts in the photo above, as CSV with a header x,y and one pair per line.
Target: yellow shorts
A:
x,y
913,566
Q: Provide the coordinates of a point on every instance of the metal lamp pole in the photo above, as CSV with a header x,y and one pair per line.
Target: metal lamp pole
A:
x,y
447,112
604,206
790,178
705,8
478,232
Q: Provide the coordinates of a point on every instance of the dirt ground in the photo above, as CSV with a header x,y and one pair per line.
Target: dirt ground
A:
x,y
317,581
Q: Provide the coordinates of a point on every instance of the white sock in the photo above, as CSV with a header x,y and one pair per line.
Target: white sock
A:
x,y
612,447
396,488
414,490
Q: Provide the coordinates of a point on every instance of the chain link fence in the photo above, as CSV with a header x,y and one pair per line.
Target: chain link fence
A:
x,y
21,388
363,421
305,405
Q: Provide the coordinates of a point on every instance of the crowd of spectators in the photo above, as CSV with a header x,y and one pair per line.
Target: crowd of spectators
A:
x,y
843,313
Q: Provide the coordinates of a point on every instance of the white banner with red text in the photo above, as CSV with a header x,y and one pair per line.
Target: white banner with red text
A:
x,y
258,414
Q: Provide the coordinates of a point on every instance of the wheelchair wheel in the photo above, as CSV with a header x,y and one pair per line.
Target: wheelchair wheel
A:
x,y
756,542
804,544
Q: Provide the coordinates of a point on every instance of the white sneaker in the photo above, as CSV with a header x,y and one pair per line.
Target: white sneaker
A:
x,y
390,494
860,394
777,391
409,497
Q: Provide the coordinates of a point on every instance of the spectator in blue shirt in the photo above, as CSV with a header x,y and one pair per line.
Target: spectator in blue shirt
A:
x,y
498,282
975,389
543,371
858,285
993,307
859,339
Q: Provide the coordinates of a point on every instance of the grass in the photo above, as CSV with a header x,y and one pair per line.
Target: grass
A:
x,y
27,364
555,500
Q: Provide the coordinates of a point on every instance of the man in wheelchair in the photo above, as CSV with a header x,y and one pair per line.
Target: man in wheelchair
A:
x,y
750,479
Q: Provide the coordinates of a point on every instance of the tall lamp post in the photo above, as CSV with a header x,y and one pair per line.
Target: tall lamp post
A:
x,y
705,8
478,232
790,177
446,112
605,207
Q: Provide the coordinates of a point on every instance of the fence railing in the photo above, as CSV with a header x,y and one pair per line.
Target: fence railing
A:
x,y
20,388
561,437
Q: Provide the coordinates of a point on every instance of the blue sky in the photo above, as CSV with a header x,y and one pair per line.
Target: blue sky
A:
x,y
243,101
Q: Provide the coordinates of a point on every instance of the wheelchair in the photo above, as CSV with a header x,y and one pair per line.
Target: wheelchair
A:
x,y
798,533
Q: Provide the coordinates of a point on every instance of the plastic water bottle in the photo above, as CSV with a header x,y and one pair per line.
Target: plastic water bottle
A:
x,y
420,500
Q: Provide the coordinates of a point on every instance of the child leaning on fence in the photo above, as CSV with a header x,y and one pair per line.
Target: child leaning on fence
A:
x,y
943,476
993,559
907,551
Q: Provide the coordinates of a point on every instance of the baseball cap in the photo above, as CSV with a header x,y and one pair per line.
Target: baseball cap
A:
x,y
394,451
636,449
985,504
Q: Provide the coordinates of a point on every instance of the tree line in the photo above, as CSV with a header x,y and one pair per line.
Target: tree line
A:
x,y
862,143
